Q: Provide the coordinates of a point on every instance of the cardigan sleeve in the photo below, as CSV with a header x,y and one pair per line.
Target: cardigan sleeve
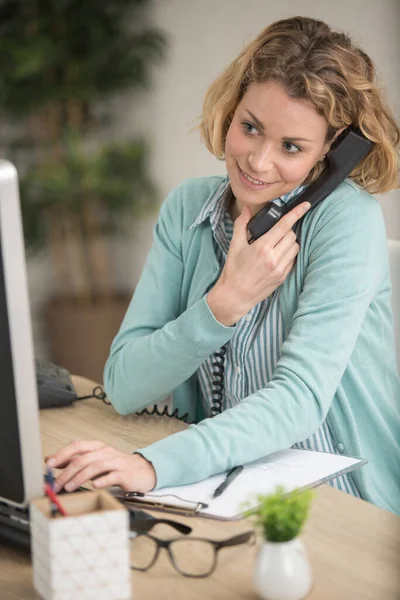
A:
x,y
346,259
157,347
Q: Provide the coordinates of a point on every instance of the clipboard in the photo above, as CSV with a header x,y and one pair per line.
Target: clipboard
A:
x,y
293,469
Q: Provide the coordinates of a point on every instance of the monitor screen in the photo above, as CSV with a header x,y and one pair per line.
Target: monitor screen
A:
x,y
11,480
21,470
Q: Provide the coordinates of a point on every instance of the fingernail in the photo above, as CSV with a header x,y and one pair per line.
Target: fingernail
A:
x,y
70,486
57,488
51,462
306,205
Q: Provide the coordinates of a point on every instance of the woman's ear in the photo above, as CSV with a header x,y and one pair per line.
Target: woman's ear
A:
x,y
329,144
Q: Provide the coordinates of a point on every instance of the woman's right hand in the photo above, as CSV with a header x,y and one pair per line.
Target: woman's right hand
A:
x,y
253,271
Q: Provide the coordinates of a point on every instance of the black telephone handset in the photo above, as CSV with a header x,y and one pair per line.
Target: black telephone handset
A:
x,y
345,153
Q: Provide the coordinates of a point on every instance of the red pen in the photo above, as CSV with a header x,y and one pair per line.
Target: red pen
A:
x,y
54,498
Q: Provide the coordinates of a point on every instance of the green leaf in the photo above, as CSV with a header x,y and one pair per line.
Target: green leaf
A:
x,y
55,50
281,515
114,178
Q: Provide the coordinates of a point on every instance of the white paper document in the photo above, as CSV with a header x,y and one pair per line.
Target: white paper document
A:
x,y
290,468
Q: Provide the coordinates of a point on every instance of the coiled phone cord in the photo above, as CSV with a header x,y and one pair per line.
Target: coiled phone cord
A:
x,y
165,412
218,382
216,398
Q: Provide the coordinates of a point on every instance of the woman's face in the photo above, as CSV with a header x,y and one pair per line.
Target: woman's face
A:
x,y
274,140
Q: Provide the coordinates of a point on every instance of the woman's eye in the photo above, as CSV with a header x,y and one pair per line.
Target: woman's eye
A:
x,y
297,150
289,148
249,128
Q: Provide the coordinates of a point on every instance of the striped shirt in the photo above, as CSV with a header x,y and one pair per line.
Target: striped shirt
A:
x,y
254,349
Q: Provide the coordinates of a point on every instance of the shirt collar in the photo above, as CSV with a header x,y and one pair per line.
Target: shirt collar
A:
x,y
215,204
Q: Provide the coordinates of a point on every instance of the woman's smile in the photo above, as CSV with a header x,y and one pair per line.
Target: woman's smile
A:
x,y
251,182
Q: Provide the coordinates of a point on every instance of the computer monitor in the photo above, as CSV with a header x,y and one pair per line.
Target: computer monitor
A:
x,y
21,471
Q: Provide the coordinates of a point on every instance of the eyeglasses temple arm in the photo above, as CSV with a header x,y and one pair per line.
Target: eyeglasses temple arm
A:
x,y
181,527
242,538
145,525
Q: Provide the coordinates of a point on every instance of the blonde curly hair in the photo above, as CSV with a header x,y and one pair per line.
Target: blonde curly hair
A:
x,y
322,66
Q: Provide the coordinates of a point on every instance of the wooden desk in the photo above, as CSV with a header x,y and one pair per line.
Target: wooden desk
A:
x,y
354,546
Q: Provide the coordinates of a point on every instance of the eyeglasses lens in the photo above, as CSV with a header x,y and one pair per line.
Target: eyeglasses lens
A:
x,y
143,551
193,557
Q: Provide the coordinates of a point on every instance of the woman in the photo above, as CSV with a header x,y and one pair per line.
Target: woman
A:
x,y
303,313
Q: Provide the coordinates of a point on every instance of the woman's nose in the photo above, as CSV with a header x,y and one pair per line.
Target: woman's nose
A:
x,y
261,160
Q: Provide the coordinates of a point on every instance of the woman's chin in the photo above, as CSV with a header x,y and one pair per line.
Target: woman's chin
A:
x,y
255,201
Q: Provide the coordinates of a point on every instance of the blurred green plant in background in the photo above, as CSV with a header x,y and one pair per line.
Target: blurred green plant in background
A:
x,y
60,59
281,515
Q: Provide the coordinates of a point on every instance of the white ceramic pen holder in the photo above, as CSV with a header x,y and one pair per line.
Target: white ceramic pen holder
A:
x,y
84,555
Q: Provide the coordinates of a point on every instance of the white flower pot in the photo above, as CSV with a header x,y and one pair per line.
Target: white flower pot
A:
x,y
283,571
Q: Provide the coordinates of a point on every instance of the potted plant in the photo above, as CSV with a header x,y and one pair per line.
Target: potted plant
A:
x,y
282,569
81,202
60,61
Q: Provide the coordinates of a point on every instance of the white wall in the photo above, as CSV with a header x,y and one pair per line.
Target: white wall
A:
x,y
204,37
207,35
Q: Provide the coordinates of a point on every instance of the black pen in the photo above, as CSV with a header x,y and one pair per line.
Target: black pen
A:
x,y
233,473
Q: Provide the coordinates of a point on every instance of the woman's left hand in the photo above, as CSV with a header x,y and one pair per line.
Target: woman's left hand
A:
x,y
83,461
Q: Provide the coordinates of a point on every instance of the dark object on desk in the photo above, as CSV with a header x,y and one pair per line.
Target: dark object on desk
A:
x,y
15,523
54,385
233,473
141,522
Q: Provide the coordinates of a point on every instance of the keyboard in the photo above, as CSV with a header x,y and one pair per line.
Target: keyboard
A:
x,y
15,523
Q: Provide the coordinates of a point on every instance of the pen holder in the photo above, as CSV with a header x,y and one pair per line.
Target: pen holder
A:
x,y
83,555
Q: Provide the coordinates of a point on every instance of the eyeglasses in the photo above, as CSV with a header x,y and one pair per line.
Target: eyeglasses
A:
x,y
191,557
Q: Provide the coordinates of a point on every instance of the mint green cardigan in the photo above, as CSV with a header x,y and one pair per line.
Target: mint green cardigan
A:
x,y
337,362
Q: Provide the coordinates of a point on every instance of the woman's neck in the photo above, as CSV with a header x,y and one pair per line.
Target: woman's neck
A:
x,y
235,208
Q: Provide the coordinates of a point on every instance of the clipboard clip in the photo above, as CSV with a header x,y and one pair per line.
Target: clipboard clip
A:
x,y
155,502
